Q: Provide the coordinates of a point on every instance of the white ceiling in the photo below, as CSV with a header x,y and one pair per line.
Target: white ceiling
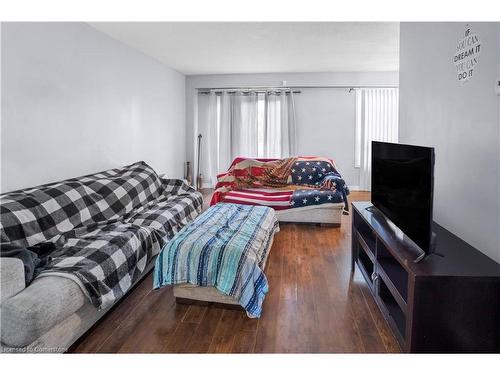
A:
x,y
263,47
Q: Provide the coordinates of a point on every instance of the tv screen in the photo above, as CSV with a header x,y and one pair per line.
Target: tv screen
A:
x,y
402,188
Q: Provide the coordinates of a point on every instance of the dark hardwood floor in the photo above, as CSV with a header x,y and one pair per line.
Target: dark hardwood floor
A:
x,y
314,306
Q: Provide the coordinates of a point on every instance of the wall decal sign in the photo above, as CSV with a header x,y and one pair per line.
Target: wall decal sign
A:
x,y
466,55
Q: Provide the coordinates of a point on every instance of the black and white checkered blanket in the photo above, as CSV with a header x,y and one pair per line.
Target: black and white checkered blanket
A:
x,y
106,226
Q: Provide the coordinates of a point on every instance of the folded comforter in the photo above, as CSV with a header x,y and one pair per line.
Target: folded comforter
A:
x,y
226,248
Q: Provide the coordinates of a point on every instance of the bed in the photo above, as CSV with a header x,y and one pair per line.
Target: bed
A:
x,y
299,189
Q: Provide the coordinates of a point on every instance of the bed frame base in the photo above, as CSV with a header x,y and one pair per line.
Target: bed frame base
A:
x,y
324,214
189,301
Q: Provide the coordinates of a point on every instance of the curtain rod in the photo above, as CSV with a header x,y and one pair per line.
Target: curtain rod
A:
x,y
266,88
232,91
300,87
262,89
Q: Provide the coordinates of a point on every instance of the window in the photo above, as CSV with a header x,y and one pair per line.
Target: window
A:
x,y
262,120
261,124
376,120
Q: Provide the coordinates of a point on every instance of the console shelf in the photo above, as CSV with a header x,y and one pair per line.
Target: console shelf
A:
x,y
393,312
445,303
397,285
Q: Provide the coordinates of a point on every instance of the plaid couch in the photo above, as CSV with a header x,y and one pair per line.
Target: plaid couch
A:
x,y
107,226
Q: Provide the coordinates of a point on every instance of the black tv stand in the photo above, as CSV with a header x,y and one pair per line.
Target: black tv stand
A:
x,y
448,302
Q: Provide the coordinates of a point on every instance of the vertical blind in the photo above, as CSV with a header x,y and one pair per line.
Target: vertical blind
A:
x,y
376,120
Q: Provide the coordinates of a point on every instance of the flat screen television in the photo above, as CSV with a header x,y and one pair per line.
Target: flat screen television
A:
x,y
402,188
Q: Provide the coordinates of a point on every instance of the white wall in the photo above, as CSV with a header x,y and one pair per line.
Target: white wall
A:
x,y
461,122
325,117
75,101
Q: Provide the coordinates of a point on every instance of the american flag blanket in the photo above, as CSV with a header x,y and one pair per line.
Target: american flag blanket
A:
x,y
282,183
106,226
225,247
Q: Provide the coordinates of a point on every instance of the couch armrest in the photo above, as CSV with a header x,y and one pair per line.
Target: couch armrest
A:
x,y
11,277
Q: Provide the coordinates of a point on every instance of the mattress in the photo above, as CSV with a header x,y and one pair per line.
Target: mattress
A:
x,y
280,199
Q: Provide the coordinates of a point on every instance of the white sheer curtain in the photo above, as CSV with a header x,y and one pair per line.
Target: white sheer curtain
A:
x,y
224,147
244,130
248,124
279,139
376,120
212,135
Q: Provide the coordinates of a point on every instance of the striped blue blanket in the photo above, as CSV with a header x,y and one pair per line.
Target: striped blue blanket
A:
x,y
225,247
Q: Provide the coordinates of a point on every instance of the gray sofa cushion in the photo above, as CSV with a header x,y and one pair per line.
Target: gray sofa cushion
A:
x,y
32,312
11,277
